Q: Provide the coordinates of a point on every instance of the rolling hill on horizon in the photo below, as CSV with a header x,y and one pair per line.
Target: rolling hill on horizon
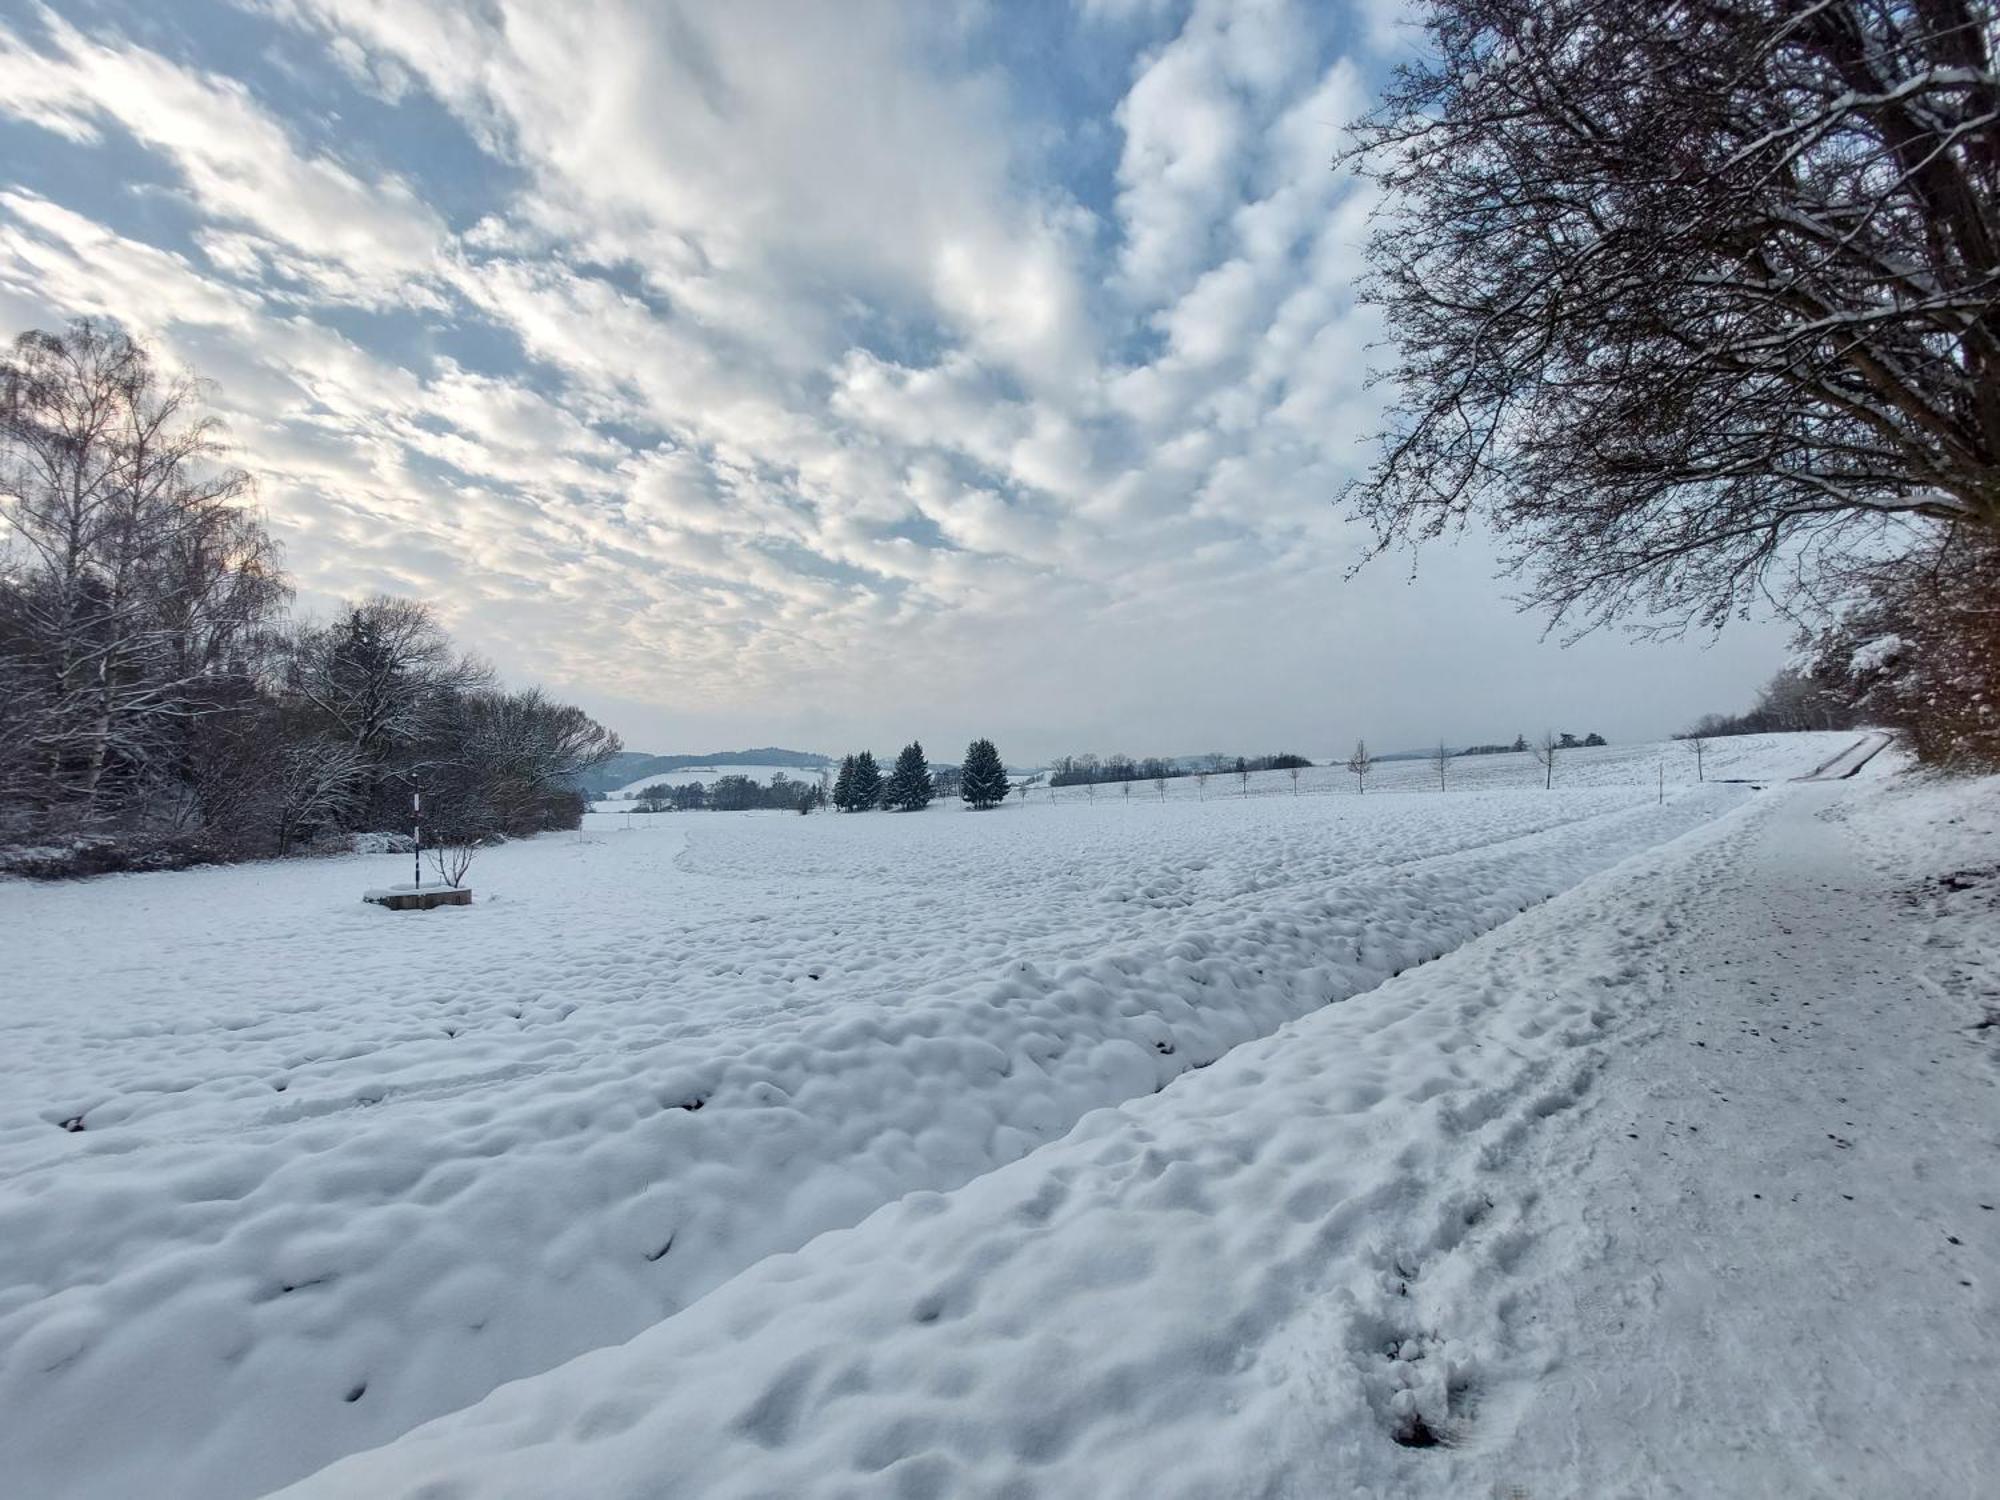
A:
x,y
628,766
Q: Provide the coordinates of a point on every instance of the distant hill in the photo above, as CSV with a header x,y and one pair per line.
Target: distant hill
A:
x,y
628,766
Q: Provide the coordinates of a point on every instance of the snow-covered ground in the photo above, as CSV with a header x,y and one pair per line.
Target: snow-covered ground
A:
x,y
1671,763
340,1171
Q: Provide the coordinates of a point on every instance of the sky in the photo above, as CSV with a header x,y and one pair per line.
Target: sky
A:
x,y
822,375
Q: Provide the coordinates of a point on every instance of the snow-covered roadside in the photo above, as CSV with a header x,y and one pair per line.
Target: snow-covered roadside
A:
x,y
1683,1183
340,1173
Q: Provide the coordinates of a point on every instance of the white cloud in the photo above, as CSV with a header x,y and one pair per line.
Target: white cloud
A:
x,y
784,369
357,238
54,257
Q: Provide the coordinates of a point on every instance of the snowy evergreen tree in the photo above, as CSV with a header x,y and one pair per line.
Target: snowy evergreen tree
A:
x,y
910,783
843,785
866,790
982,780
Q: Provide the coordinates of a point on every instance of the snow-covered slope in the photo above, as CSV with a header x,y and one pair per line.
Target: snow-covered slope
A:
x,y
1746,757
1681,1184
338,1171
1754,757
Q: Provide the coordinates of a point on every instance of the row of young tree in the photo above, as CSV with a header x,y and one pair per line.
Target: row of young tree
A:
x,y
980,780
1546,750
158,706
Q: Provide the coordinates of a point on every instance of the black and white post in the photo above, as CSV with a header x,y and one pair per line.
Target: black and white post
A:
x,y
417,834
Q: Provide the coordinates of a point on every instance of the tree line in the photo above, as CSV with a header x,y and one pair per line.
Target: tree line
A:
x,y
1565,740
858,786
733,792
1793,700
159,707
1089,770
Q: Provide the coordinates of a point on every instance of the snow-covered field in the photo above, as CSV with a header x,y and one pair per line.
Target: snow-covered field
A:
x,y
339,1172
1649,764
1681,1184
1670,763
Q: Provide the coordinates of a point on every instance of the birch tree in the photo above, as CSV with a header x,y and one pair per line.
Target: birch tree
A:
x,y
136,575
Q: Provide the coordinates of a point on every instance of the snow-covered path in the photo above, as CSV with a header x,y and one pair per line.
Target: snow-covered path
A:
x,y
1852,760
1784,1214
1682,1183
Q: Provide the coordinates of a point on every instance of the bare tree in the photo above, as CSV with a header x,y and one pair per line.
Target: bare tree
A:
x,y
459,823
1690,300
1546,749
1160,785
1359,764
452,855
136,576
1201,785
145,688
522,752
320,785
1697,746
27,766
384,674
1441,763
1295,779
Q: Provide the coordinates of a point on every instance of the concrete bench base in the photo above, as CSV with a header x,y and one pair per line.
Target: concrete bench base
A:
x,y
421,900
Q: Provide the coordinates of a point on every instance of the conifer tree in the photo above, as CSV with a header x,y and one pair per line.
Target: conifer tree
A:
x,y
867,788
910,783
982,780
843,785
